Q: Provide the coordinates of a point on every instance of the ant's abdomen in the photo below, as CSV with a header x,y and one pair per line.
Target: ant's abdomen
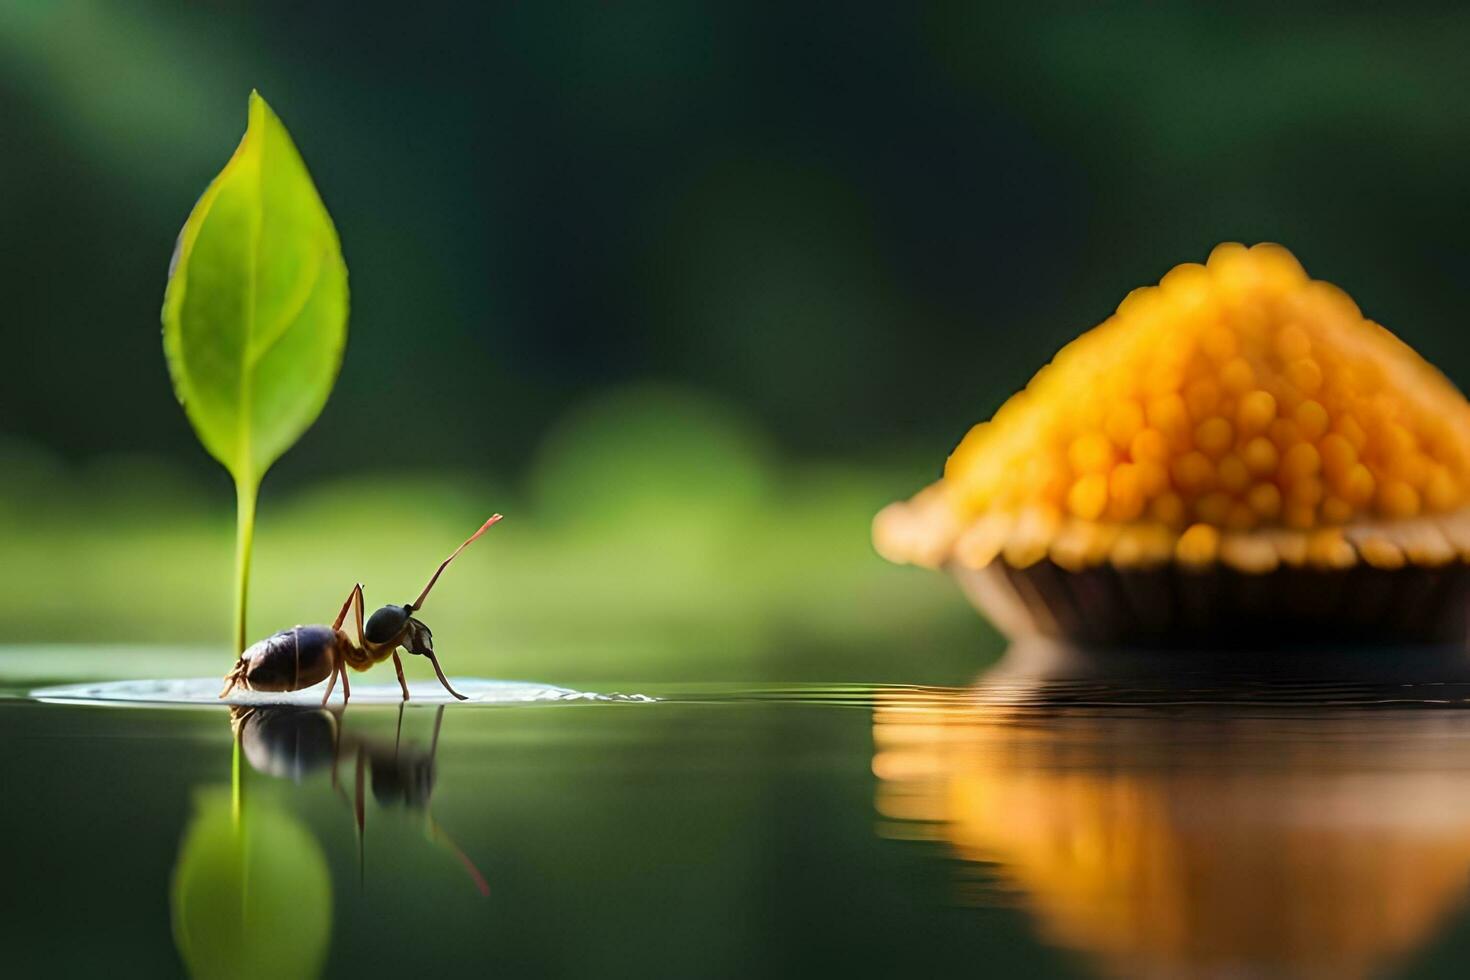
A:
x,y
291,659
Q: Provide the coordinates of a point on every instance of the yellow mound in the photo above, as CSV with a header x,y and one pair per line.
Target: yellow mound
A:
x,y
1234,398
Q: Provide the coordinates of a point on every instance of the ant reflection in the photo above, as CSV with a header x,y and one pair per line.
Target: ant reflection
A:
x,y
290,742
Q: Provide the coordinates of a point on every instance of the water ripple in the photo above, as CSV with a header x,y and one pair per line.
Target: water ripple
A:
x,y
197,691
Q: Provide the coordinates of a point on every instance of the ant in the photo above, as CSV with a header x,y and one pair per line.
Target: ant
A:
x,y
297,658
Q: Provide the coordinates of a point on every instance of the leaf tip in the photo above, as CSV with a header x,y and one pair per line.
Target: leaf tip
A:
x,y
260,110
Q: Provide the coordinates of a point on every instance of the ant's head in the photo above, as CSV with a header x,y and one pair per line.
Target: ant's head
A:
x,y
385,624
396,623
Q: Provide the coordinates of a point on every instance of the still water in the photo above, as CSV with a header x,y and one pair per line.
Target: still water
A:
x,y
1038,822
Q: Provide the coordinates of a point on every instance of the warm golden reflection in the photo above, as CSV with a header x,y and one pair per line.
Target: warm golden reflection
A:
x,y
1206,839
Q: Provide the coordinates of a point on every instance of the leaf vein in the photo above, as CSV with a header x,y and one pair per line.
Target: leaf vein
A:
x,y
292,315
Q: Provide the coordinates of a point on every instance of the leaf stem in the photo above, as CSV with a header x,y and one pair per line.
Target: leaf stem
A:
x,y
245,490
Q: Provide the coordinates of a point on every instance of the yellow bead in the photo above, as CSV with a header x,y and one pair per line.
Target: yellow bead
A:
x,y
1125,498
1441,493
1338,454
1213,507
1250,320
1228,258
1349,428
1415,469
1125,419
1198,545
1397,440
1202,398
1311,419
1193,472
1329,549
1358,487
1300,516
1149,444
1264,499
1284,433
1293,343
1089,496
1153,478
1308,490
1256,412
1398,499
1335,510
1260,456
1187,286
1232,473
1280,271
1301,460
1167,509
1305,375
1168,414
1237,376
1214,436
1162,378
1381,553
1219,343
1090,453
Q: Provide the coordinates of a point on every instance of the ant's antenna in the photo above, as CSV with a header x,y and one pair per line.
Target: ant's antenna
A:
x,y
438,834
419,602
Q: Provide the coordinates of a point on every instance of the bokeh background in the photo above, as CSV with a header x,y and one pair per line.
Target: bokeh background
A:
x,y
688,291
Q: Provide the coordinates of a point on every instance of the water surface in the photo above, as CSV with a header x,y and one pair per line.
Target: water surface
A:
x,y
1038,822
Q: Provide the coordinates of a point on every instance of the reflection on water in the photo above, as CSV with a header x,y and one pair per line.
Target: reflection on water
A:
x,y
1178,826
251,893
1200,831
290,742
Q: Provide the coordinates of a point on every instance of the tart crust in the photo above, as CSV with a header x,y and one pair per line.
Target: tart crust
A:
x,y
1105,585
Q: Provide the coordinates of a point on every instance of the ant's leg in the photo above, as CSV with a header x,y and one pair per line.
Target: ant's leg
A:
x,y
398,666
356,593
234,677
357,611
354,600
434,742
360,812
332,678
336,749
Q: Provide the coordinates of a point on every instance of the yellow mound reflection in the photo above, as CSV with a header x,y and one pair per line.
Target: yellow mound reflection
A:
x,y
1187,841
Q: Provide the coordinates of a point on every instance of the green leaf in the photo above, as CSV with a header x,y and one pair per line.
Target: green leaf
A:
x,y
255,314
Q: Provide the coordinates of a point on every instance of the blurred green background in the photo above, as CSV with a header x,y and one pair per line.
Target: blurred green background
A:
x,y
688,291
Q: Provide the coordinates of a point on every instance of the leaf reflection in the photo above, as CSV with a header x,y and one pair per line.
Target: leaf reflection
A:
x,y
250,898
252,891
